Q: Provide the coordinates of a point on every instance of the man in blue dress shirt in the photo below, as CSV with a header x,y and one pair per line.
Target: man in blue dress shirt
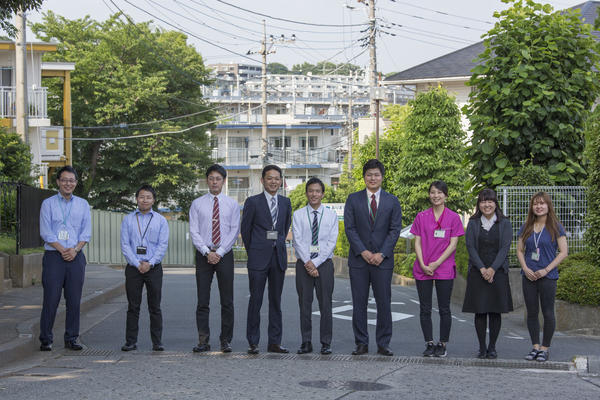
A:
x,y
65,227
144,241
214,228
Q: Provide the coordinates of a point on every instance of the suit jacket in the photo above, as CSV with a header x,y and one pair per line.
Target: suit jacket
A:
x,y
378,237
505,240
256,221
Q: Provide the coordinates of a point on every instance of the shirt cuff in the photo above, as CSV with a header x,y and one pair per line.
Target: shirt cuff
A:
x,y
220,251
204,250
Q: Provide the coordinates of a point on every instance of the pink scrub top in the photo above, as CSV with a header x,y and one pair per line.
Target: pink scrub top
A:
x,y
433,245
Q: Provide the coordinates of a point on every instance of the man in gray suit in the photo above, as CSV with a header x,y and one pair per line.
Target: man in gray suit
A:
x,y
372,220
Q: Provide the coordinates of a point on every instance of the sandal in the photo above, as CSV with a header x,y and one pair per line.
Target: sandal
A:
x,y
532,355
542,356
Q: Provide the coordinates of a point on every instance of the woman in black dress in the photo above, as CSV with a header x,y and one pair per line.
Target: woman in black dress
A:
x,y
488,239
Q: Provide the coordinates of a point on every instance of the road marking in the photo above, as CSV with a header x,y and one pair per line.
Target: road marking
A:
x,y
336,313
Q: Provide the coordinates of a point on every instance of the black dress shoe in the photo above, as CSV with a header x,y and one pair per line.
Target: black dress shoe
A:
x,y
253,349
46,347
225,347
360,349
158,347
201,347
129,347
73,345
491,354
384,351
276,348
326,349
306,347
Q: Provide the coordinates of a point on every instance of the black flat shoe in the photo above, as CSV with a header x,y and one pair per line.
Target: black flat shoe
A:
x,y
73,345
481,354
306,347
326,349
360,349
277,348
491,354
201,347
129,347
253,349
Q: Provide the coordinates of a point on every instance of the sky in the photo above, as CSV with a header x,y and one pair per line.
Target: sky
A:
x,y
223,31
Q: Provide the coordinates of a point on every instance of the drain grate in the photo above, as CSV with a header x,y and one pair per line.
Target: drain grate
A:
x,y
457,362
359,386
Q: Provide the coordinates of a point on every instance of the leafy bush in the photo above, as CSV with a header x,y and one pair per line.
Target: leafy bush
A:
x,y
592,151
342,246
579,281
403,264
529,174
462,257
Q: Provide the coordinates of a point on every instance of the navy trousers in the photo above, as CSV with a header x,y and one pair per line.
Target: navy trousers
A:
x,y
257,280
58,274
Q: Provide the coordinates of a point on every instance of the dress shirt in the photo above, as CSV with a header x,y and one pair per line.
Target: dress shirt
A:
x,y
269,197
377,196
201,212
302,230
156,239
72,215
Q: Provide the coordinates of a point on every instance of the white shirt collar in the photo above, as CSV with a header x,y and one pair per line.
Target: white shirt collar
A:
x,y
377,194
318,210
269,197
488,223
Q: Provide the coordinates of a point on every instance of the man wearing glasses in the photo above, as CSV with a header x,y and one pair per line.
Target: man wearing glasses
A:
x,y
65,227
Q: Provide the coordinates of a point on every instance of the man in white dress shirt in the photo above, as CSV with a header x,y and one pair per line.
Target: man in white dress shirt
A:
x,y
315,230
214,228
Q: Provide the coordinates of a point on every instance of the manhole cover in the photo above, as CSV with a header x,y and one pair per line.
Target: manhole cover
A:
x,y
347,385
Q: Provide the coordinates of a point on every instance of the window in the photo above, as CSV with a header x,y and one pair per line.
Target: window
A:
x,y
312,142
6,76
238,142
236,182
275,142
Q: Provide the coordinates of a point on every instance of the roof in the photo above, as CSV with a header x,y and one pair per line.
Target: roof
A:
x,y
459,63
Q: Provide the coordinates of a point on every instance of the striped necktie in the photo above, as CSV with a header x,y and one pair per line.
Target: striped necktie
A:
x,y
273,211
373,208
216,223
315,234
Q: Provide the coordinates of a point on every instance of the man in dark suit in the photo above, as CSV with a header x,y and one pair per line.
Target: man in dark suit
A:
x,y
372,221
266,220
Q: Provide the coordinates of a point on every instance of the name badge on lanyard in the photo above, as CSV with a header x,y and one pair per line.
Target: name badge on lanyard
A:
x,y
439,233
63,234
314,249
271,235
535,255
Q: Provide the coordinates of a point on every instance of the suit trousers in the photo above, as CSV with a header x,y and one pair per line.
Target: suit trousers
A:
x,y
58,274
204,277
134,285
323,285
381,282
257,280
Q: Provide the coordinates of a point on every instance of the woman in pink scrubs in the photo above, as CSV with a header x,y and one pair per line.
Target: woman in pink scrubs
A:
x,y
436,233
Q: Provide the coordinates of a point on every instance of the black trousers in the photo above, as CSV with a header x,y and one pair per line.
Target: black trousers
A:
x,y
542,291
58,274
204,277
323,285
443,290
134,285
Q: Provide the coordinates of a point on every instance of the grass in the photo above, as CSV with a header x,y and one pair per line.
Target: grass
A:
x,y
8,246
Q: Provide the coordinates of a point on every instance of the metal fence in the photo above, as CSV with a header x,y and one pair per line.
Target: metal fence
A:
x,y
105,245
570,205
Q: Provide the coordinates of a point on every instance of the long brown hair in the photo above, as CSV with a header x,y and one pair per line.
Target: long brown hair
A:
x,y
552,222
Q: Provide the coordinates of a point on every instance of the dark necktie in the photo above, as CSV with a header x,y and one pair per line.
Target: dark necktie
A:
x,y
216,224
315,234
273,211
373,208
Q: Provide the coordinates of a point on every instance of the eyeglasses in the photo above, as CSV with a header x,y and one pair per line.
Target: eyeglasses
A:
x,y
67,180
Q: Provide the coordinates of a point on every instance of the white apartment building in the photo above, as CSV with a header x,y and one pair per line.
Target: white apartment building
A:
x,y
308,125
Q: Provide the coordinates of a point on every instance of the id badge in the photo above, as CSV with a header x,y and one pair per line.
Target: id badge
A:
x,y
535,256
63,235
271,235
141,250
314,249
439,233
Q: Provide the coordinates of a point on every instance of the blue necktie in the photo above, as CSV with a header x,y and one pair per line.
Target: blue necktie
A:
x,y
273,212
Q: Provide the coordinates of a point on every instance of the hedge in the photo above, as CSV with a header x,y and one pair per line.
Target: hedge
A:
x,y
579,280
403,264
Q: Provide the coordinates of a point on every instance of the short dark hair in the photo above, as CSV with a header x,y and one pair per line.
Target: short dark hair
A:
x,y
314,180
372,164
484,195
147,188
439,185
270,167
216,168
66,168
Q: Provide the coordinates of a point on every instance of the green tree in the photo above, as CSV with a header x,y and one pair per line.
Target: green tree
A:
x,y
592,153
128,76
15,159
277,68
10,7
431,148
298,196
531,92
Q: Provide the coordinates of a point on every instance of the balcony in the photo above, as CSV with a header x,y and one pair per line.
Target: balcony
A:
x,y
233,156
37,99
302,157
239,194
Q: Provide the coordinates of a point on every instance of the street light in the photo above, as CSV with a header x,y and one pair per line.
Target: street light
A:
x,y
377,94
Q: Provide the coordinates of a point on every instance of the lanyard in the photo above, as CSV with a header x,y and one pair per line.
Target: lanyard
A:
x,y
70,207
310,223
440,219
536,240
147,226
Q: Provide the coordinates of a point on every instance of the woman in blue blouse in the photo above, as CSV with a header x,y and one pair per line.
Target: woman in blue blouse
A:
x,y
539,239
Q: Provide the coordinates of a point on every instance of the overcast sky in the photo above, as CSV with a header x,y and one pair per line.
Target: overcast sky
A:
x,y
424,29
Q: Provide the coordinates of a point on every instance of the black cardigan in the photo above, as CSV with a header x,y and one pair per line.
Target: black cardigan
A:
x,y
472,240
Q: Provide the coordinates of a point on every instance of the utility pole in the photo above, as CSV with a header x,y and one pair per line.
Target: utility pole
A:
x,y
351,125
21,78
372,55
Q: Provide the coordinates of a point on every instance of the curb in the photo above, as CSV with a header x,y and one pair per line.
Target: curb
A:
x,y
26,343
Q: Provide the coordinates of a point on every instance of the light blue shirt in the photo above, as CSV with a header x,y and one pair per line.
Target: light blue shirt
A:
x,y
156,239
302,230
73,216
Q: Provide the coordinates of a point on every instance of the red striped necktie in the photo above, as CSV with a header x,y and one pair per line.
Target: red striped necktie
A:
x,y
216,223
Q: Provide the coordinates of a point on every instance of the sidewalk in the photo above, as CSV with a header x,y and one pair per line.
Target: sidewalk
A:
x,y
20,311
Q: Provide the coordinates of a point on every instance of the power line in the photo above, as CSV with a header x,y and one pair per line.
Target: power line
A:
x,y
285,19
432,20
442,12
